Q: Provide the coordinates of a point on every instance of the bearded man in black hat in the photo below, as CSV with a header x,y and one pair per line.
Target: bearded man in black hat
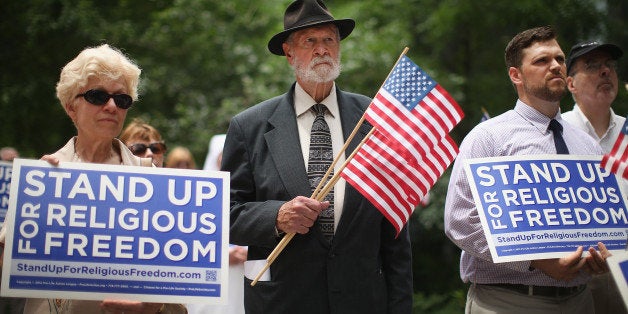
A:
x,y
345,256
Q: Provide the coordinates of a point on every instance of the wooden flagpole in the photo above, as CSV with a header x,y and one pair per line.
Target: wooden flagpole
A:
x,y
325,185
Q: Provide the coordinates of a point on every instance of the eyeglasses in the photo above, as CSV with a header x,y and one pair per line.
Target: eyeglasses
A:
x,y
156,148
595,66
99,98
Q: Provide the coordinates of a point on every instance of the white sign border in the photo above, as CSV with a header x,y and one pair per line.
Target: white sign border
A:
x,y
158,298
480,209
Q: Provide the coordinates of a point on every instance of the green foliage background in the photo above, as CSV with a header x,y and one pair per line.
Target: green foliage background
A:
x,y
204,61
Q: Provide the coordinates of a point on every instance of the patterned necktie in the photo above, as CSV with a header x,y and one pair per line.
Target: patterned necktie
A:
x,y
559,142
321,157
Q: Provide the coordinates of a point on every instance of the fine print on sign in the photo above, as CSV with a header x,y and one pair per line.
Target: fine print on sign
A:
x,y
86,231
535,207
5,188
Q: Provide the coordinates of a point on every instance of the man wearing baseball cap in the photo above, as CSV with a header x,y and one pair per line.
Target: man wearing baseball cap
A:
x,y
345,256
593,83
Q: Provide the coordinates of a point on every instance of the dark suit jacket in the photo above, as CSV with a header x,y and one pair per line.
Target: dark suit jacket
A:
x,y
366,269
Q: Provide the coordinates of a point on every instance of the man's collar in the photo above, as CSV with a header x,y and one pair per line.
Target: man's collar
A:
x,y
303,101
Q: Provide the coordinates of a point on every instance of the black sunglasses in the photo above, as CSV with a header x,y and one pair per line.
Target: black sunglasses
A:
x,y
99,98
140,148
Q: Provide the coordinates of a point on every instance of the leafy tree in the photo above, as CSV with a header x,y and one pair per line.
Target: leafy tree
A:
x,y
204,61
215,58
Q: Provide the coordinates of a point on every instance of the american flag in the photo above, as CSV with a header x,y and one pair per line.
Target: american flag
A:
x,y
394,181
485,115
412,109
410,147
616,160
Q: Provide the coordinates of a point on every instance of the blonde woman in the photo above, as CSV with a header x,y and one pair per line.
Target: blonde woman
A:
x,y
96,89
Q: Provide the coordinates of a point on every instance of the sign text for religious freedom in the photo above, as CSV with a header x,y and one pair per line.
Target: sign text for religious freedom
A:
x,y
534,207
92,231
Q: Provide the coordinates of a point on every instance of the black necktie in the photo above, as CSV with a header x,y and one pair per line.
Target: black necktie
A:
x,y
321,157
559,142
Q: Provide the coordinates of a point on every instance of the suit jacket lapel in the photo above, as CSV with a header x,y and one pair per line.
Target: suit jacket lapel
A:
x,y
350,115
285,148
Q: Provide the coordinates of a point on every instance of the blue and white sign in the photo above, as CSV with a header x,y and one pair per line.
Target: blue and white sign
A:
x,y
618,263
536,207
93,231
5,188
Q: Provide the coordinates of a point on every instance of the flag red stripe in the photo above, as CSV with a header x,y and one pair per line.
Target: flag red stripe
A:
x,y
616,160
373,193
379,167
618,143
375,148
449,103
416,119
415,143
435,108
621,153
416,146
387,162
432,110
387,111
368,193
446,151
394,192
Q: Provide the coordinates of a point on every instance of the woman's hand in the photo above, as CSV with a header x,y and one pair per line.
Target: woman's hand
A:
x,y
51,159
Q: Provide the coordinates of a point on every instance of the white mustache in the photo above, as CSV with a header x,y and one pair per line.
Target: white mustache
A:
x,y
322,59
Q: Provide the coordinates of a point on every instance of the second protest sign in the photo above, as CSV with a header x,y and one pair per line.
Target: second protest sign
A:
x,y
536,207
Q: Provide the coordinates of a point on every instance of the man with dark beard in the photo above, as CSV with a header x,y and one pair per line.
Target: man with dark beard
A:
x,y
536,67
345,257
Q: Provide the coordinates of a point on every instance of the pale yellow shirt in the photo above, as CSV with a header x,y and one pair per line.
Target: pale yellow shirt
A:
x,y
302,103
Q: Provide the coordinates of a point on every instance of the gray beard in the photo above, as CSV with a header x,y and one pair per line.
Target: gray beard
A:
x,y
319,75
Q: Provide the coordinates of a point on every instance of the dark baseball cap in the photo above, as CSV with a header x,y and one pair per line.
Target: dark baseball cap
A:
x,y
583,48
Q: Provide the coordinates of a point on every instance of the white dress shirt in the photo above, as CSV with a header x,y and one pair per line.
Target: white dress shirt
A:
x,y
305,117
578,119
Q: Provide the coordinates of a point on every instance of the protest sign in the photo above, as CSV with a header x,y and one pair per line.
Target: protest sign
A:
x,y
94,231
618,263
536,207
5,188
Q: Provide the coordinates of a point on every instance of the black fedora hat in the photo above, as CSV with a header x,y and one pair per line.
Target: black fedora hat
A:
x,y
583,48
302,14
